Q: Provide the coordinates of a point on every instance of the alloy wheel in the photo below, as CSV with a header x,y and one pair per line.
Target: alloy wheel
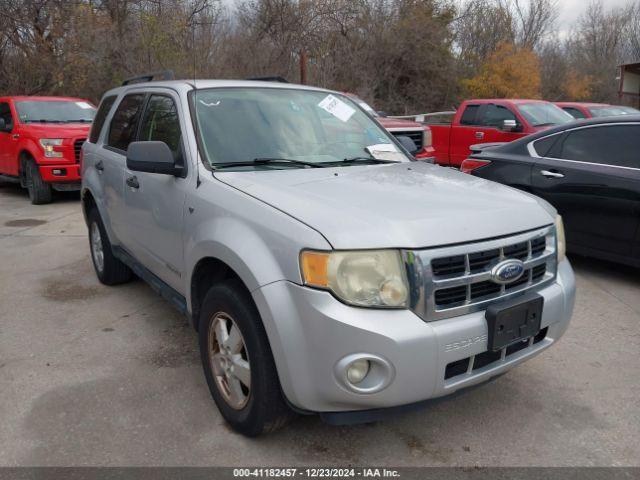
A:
x,y
229,361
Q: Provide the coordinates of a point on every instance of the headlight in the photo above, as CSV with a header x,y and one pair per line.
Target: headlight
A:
x,y
366,278
427,138
48,145
562,243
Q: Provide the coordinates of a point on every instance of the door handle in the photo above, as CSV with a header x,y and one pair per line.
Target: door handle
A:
x,y
479,135
133,182
15,136
551,174
100,166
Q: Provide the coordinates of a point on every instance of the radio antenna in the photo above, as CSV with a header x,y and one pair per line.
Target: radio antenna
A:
x,y
195,102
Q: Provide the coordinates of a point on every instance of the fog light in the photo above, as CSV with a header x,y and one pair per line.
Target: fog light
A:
x,y
356,371
57,171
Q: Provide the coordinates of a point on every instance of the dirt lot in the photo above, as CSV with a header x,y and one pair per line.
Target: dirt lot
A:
x,y
92,375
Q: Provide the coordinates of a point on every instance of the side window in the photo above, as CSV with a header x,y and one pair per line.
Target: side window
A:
x,y
160,122
616,145
544,145
125,121
495,115
574,112
100,117
469,115
5,114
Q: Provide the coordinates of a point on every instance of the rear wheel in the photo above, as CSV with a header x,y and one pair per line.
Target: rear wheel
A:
x,y
109,269
39,191
238,363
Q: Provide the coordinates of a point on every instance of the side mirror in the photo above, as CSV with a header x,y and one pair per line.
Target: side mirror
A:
x,y
510,126
3,125
152,157
407,143
382,114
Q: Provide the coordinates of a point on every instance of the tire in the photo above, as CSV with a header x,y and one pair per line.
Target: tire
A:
x,y
263,408
109,269
40,192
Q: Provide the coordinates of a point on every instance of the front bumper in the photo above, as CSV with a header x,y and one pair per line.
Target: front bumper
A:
x,y
63,173
310,332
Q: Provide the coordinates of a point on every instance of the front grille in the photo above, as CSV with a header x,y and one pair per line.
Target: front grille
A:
x,y
481,360
416,135
458,280
77,147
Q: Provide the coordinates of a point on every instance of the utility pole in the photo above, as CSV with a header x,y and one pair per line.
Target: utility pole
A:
x,y
303,67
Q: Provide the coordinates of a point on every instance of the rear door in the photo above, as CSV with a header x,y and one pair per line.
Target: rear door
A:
x,y
481,125
592,176
154,202
8,142
464,134
111,160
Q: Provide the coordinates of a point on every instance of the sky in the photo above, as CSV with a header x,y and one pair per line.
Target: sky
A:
x,y
570,10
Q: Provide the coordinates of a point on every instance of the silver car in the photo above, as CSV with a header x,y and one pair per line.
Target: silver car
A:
x,y
324,270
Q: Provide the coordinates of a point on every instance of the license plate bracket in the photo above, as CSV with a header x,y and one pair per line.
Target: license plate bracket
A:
x,y
513,321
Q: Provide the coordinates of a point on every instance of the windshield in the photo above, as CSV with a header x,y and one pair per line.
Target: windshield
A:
x,y
57,111
245,124
544,114
612,111
365,106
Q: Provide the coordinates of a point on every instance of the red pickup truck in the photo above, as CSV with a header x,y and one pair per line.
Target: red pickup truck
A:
x,y
491,121
420,134
40,142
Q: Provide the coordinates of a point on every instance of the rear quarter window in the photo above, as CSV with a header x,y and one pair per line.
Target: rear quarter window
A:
x,y
544,145
101,116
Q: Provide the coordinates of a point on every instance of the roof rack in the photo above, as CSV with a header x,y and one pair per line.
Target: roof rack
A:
x,y
269,79
150,77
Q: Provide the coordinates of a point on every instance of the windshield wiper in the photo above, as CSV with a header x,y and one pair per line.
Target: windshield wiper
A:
x,y
42,120
81,120
544,124
266,161
362,160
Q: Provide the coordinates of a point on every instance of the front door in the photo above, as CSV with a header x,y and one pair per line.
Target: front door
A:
x,y
8,142
155,202
592,176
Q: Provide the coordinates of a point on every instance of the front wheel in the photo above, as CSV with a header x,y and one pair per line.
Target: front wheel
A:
x,y
238,363
39,191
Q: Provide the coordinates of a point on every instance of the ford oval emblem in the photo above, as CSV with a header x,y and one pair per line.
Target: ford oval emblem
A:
x,y
507,271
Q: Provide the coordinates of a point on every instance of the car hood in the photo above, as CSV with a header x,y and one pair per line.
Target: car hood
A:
x,y
405,205
57,130
397,123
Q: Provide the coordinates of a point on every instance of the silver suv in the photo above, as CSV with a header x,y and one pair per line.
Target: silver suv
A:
x,y
324,270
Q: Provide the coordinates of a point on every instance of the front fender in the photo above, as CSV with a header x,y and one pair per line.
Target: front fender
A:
x,y
258,242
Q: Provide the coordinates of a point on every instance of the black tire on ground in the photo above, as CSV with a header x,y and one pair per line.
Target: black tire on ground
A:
x,y
265,409
109,269
40,192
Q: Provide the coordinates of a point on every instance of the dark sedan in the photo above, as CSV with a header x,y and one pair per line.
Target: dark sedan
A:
x,y
589,170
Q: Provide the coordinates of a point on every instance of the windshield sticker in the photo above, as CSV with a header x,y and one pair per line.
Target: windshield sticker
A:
x,y
84,105
337,108
212,104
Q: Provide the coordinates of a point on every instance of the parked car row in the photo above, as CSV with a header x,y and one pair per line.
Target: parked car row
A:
x,y
325,270
500,120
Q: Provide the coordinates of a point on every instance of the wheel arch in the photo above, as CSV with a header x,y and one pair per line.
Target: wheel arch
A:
x,y
208,271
